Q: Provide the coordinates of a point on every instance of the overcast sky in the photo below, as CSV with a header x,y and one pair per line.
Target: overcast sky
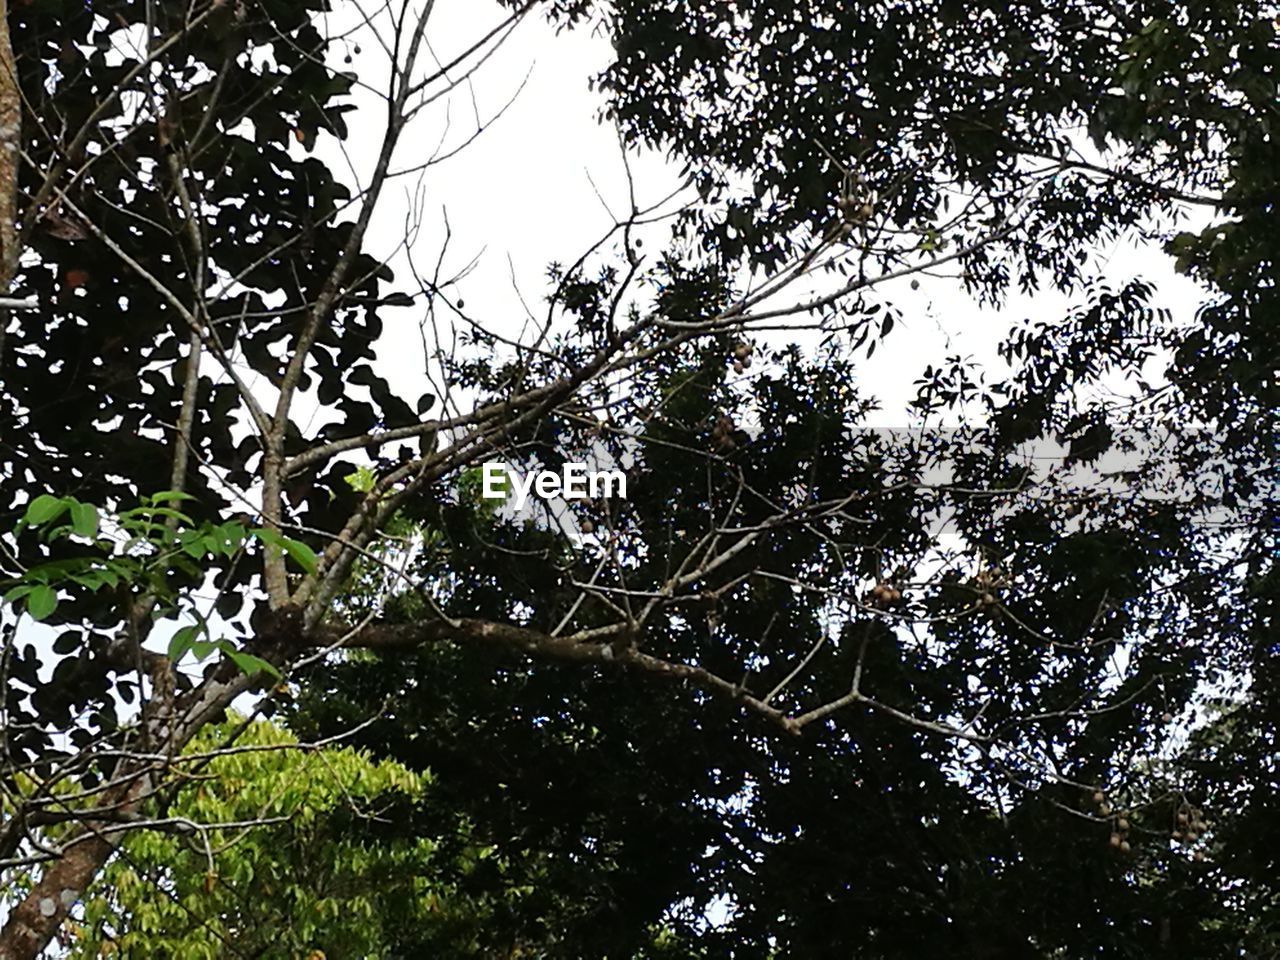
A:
x,y
522,195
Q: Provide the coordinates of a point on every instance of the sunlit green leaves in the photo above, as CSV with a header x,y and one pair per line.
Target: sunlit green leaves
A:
x,y
146,545
40,600
84,520
361,480
44,509
310,878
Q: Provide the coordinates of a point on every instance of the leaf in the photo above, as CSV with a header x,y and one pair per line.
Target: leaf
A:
x,y
43,509
41,602
234,530
193,543
67,642
268,537
151,512
84,519
113,573
302,555
249,664
18,592
182,641
228,537
93,579
167,496
362,480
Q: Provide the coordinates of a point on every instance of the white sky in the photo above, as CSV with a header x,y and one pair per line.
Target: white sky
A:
x,y
522,196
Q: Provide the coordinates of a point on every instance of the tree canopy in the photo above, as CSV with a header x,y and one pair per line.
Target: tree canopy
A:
x,y
812,688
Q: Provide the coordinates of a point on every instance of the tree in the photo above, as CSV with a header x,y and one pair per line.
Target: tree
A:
x,y
297,854
179,235
292,869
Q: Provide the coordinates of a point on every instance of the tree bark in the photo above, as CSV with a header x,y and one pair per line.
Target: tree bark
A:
x,y
10,142
35,921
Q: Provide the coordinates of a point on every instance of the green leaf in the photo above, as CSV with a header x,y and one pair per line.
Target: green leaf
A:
x,y
43,509
152,512
18,592
192,543
182,641
93,579
41,602
230,536
269,537
249,664
56,569
167,496
114,572
84,519
302,555
362,480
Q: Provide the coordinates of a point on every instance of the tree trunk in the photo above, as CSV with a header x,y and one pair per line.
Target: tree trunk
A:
x,y
10,141
35,921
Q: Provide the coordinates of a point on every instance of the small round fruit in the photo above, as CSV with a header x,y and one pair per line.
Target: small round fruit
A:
x,y
915,284
1124,846
1122,824
738,366
1099,796
1105,809
1116,840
